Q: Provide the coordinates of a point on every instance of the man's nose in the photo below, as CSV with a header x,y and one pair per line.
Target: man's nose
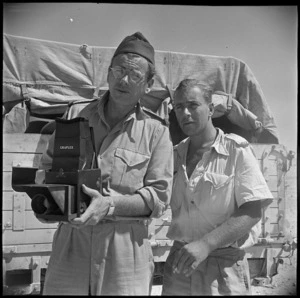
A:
x,y
125,78
186,111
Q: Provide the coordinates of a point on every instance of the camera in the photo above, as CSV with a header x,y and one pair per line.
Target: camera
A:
x,y
74,163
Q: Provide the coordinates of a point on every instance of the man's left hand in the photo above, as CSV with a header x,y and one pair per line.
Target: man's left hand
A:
x,y
188,258
96,211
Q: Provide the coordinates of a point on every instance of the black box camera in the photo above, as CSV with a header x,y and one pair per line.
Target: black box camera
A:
x,y
61,197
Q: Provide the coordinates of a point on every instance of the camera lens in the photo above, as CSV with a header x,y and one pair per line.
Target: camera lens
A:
x,y
39,203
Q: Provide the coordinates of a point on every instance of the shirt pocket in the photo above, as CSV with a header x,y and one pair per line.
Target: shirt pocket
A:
x,y
129,169
217,181
215,193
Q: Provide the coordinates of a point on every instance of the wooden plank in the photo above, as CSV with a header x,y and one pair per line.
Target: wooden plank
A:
x,y
7,200
25,262
28,236
160,253
272,183
20,142
20,159
160,232
6,182
30,221
275,232
269,166
37,249
274,203
272,215
33,223
271,229
165,219
289,204
18,213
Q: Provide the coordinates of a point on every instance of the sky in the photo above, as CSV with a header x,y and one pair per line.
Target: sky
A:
x,y
264,37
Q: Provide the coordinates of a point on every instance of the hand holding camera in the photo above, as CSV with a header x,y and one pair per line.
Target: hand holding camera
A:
x,y
97,209
56,194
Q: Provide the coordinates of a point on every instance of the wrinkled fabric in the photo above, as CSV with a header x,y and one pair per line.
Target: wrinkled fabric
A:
x,y
115,258
57,73
112,258
227,176
225,272
224,104
17,120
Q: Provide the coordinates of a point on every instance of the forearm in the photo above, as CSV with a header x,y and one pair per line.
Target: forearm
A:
x,y
130,205
235,227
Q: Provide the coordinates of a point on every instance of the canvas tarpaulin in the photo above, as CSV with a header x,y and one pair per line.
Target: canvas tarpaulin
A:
x,y
52,74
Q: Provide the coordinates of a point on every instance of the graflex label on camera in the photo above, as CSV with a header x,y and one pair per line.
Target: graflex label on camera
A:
x,y
66,147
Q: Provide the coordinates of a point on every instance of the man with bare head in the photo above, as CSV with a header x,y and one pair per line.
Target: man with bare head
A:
x,y
217,198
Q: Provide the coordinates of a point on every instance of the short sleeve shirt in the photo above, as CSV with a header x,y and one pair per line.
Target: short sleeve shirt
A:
x,y
227,176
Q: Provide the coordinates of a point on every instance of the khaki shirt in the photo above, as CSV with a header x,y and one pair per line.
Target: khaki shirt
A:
x,y
227,177
136,155
115,258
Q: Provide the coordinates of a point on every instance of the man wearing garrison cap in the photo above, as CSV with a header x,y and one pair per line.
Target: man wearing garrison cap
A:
x,y
106,250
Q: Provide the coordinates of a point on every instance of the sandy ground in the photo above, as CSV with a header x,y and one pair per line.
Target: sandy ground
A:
x,y
284,283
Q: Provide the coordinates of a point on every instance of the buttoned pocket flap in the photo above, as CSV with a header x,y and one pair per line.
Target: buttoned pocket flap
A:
x,y
217,180
131,158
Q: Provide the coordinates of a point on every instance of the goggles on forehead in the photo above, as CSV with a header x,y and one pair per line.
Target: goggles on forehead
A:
x,y
133,75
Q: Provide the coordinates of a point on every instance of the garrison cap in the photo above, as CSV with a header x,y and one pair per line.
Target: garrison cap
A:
x,y
137,44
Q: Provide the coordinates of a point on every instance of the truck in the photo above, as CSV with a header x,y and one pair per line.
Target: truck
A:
x,y
43,79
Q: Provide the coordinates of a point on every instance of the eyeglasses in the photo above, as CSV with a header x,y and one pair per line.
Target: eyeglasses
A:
x,y
133,75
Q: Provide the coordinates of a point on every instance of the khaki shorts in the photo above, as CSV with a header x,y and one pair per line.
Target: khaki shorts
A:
x,y
224,272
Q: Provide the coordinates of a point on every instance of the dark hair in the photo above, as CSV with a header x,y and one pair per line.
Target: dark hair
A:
x,y
151,67
187,84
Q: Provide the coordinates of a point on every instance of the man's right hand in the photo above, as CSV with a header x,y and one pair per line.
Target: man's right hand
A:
x,y
96,210
189,257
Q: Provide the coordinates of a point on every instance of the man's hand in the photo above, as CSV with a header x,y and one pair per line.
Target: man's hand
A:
x,y
188,258
96,211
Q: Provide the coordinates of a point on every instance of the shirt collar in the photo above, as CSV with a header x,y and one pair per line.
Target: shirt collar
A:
x,y
136,112
219,144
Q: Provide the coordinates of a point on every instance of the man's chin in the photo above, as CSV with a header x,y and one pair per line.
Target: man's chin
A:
x,y
187,129
186,132
121,95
